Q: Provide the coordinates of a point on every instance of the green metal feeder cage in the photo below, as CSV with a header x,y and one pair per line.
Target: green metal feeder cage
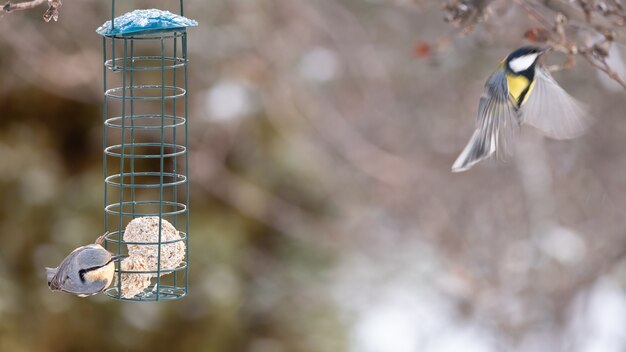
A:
x,y
146,188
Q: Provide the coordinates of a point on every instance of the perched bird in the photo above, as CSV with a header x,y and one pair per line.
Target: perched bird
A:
x,y
84,272
521,91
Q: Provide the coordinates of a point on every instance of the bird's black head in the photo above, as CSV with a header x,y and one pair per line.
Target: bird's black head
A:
x,y
523,60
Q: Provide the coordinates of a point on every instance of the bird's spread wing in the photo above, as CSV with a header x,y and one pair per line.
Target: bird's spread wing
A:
x,y
551,110
497,125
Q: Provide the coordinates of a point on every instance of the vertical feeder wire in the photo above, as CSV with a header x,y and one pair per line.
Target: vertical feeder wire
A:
x,y
174,130
161,159
184,54
122,160
104,140
112,29
132,129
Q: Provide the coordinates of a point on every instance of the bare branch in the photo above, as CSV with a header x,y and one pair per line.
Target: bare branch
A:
x,y
555,34
601,64
52,13
10,7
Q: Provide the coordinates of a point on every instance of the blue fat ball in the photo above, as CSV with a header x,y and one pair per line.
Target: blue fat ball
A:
x,y
140,21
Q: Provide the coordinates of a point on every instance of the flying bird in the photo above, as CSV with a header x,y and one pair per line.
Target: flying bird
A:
x,y
521,91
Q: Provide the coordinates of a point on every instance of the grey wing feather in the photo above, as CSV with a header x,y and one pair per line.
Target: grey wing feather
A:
x,y
67,277
552,111
496,126
63,272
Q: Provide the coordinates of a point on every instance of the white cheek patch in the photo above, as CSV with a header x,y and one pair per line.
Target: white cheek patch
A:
x,y
522,63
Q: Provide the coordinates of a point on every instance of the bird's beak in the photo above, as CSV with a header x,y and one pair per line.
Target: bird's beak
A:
x,y
119,257
545,50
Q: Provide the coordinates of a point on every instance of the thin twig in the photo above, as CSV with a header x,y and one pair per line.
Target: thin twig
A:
x,y
604,67
52,13
564,44
10,7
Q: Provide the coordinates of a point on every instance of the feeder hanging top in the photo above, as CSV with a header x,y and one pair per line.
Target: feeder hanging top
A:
x,y
143,21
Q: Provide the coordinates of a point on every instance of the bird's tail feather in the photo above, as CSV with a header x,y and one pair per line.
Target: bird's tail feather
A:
x,y
50,272
476,150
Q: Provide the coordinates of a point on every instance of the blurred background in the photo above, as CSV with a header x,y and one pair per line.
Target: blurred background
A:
x,y
324,216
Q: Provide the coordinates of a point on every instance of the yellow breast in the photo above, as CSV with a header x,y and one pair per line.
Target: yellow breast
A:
x,y
519,85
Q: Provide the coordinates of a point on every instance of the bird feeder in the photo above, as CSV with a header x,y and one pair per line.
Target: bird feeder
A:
x,y
145,159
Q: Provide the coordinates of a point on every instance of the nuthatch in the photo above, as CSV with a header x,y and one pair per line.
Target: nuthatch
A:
x,y
84,272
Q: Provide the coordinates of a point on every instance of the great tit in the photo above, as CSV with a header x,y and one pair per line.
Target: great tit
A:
x,y
521,91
